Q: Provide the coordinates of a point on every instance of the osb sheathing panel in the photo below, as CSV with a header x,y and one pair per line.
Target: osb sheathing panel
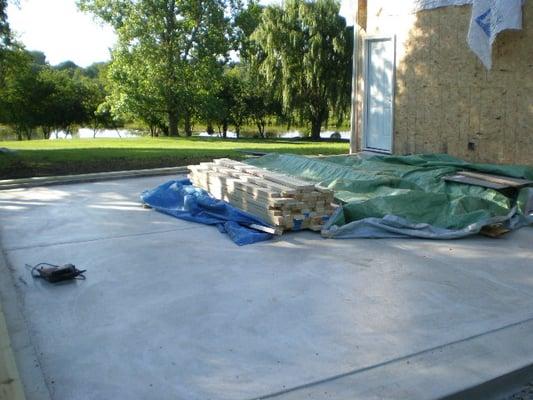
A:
x,y
445,99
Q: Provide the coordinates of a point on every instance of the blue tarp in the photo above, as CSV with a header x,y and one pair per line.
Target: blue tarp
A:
x,y
180,199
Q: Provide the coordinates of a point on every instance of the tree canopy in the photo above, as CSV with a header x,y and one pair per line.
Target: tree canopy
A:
x,y
5,31
169,53
305,53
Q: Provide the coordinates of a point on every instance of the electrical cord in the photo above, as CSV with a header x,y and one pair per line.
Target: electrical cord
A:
x,y
56,273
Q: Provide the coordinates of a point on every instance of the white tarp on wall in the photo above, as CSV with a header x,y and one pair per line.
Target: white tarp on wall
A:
x,y
429,4
489,17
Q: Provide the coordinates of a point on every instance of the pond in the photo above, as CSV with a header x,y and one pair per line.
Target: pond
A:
x,y
289,135
87,133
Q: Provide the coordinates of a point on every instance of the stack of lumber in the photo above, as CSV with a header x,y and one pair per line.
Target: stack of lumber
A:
x,y
282,201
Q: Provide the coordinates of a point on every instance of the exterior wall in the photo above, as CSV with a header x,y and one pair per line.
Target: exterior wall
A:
x,y
445,99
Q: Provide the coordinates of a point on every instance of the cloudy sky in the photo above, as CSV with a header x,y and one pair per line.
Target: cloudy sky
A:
x,y
58,29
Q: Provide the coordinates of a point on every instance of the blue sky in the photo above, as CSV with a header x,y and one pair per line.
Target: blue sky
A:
x,y
58,29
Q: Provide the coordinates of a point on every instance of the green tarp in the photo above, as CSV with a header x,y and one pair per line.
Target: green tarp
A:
x,y
394,196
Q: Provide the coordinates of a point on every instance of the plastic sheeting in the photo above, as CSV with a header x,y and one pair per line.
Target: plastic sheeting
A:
x,y
180,199
489,18
405,196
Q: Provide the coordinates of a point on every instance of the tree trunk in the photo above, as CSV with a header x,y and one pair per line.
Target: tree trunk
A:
x,y
172,124
238,131
261,128
315,128
225,129
188,124
210,129
163,128
46,133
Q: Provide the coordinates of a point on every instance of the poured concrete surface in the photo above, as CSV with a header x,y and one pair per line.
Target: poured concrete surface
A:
x,y
174,310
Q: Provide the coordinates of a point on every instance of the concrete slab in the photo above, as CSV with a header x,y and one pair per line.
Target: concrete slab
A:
x,y
79,213
174,310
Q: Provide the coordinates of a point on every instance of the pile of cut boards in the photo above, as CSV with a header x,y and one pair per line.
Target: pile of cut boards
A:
x,y
284,202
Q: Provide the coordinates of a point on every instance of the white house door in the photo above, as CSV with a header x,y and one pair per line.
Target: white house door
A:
x,y
379,93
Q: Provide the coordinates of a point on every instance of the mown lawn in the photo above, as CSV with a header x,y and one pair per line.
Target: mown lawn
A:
x,y
62,157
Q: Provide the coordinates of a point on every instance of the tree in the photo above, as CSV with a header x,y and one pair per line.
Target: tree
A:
x,y
258,95
36,96
66,105
5,31
237,107
305,54
23,95
67,65
98,110
94,71
246,23
168,52
38,58
132,96
228,105
7,45
96,117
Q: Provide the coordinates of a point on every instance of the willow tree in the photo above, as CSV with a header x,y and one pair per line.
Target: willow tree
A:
x,y
168,51
305,53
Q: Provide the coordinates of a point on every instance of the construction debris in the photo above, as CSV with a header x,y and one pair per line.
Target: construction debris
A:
x,y
283,201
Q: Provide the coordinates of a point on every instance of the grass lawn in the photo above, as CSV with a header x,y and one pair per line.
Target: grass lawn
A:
x,y
77,156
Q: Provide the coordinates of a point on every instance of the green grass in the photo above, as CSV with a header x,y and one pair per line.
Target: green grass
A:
x,y
62,157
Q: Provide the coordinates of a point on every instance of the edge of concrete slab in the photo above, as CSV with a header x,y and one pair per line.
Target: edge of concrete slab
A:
x,y
93,177
499,388
24,364
10,384
453,371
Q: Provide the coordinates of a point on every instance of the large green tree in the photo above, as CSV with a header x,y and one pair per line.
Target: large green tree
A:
x,y
305,53
169,52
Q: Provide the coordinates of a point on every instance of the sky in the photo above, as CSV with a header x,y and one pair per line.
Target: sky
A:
x,y
58,29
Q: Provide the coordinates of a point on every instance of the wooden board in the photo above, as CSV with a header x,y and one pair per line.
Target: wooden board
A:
x,y
474,181
503,180
490,181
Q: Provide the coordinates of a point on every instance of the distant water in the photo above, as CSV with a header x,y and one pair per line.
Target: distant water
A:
x,y
87,133
287,135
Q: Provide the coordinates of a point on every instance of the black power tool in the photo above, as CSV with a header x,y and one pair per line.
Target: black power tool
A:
x,y
55,273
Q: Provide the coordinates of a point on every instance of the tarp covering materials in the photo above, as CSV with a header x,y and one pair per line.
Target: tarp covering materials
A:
x,y
489,18
405,196
381,196
180,199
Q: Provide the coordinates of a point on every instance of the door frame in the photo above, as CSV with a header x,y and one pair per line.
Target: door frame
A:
x,y
366,92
